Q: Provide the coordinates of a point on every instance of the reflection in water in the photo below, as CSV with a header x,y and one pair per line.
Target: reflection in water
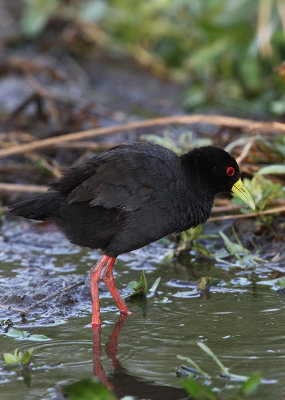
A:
x,y
111,350
120,381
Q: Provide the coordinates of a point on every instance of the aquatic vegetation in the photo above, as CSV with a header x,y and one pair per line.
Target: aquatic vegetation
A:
x,y
140,288
87,389
18,358
201,391
225,372
206,390
24,335
237,250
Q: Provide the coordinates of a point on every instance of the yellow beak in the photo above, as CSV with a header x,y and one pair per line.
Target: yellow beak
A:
x,y
241,191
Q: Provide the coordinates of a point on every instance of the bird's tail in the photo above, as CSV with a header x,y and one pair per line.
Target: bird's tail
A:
x,y
41,208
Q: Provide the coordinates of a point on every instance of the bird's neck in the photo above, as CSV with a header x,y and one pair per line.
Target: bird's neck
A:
x,y
199,208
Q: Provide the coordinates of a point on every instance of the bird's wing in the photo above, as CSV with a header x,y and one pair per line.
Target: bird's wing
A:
x,y
125,181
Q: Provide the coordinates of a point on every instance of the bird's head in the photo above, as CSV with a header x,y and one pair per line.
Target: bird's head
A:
x,y
216,171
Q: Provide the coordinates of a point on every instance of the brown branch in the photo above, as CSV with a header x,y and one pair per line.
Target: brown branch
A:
x,y
274,210
226,205
227,208
88,145
25,65
14,187
244,152
216,120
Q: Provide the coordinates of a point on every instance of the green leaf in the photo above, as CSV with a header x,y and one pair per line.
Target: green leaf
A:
x,y
239,251
234,248
208,54
281,282
202,250
251,384
93,10
191,234
199,391
224,370
263,190
25,359
15,333
10,359
132,285
38,338
87,389
195,97
272,169
210,353
250,69
36,15
24,335
155,285
18,357
139,288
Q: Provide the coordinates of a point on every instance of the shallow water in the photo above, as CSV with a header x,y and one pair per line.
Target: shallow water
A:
x,y
241,320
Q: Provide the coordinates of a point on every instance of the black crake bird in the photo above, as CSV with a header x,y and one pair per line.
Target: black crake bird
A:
x,y
132,195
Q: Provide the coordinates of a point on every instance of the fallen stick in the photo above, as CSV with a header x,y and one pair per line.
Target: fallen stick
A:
x,y
15,187
24,312
217,120
8,307
245,152
248,215
53,295
90,146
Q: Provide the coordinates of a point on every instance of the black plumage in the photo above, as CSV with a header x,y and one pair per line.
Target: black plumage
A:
x,y
134,194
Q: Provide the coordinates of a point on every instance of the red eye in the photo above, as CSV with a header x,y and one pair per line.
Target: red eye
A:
x,y
230,171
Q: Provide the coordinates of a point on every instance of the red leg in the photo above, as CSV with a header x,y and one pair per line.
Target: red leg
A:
x,y
94,279
108,278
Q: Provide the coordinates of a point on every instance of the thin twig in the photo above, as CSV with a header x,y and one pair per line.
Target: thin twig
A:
x,y
34,97
24,65
14,187
230,207
248,215
227,207
8,307
88,145
216,120
54,295
24,312
245,152
39,88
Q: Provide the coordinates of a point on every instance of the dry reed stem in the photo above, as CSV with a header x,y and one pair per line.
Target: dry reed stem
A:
x,y
244,152
217,120
15,187
248,215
